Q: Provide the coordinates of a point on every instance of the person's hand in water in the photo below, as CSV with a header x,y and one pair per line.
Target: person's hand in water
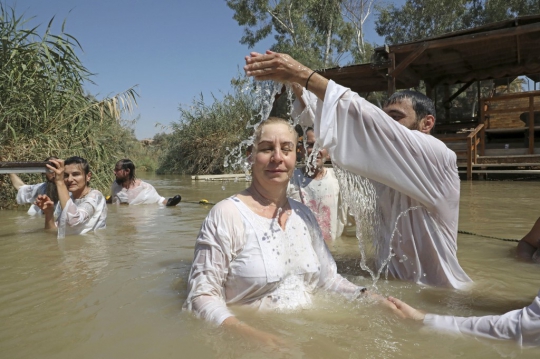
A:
x,y
406,310
267,340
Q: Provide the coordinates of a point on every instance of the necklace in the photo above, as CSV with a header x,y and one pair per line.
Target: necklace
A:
x,y
263,200
85,192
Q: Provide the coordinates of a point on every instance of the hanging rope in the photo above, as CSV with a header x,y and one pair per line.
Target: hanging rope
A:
x,y
483,235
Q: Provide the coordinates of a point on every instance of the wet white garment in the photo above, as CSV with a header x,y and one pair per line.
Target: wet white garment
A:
x,y
415,177
27,194
83,215
322,196
245,259
522,325
144,193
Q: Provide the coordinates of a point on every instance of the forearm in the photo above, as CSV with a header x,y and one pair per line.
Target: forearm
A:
x,y
317,84
49,219
63,193
16,181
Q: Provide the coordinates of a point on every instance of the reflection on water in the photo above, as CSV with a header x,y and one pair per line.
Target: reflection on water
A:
x,y
119,294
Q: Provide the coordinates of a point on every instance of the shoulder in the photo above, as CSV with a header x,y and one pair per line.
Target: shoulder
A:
x,y
95,195
224,211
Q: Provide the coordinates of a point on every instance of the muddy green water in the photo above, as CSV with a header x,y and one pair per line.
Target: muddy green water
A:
x,y
119,294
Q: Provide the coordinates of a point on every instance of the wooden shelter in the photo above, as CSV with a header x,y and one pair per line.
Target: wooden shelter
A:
x,y
501,50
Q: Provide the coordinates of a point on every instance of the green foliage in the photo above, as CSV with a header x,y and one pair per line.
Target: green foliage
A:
x,y
312,31
43,107
199,143
418,19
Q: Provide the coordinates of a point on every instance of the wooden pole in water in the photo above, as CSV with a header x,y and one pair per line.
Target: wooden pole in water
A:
x,y
23,167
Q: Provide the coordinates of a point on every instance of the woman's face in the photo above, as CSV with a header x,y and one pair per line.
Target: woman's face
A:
x,y
275,154
75,179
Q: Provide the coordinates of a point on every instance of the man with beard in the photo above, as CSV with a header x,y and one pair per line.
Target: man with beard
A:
x,y
127,189
318,188
27,194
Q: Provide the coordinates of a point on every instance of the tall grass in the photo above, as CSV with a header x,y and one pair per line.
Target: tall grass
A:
x,y
203,137
44,109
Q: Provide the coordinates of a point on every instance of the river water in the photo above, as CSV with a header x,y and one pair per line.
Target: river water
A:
x,y
119,294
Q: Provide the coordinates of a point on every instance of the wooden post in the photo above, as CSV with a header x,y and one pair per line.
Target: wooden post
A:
x,y
531,125
391,78
483,130
446,103
469,158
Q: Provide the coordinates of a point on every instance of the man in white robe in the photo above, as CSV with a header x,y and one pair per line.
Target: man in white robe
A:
x,y
414,174
127,189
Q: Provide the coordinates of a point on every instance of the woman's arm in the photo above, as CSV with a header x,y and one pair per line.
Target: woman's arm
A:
x,y
47,206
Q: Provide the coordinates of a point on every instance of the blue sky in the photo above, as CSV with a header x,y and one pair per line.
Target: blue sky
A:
x,y
173,50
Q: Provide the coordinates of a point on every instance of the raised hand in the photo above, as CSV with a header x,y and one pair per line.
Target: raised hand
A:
x,y
275,66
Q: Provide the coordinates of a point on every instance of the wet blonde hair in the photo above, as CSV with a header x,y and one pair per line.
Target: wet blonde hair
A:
x,y
271,121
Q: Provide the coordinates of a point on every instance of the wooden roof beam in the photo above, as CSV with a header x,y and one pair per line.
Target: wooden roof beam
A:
x,y
465,39
409,59
458,92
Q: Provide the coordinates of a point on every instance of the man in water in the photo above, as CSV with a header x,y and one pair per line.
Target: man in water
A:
x,y
318,188
413,173
27,194
528,247
127,189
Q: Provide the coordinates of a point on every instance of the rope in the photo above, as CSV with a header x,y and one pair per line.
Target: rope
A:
x,y
202,201
483,235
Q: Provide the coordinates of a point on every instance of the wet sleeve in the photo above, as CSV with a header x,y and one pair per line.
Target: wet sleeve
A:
x,y
521,326
28,193
214,250
362,139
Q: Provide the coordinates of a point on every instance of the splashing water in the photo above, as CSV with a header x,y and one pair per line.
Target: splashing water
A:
x,y
358,193
263,93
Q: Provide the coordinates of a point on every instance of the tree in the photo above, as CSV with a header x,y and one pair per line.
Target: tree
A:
x,y
419,19
312,31
356,12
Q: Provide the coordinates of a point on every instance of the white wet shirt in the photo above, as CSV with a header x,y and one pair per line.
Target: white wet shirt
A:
x,y
28,193
144,193
322,196
521,326
83,215
244,259
413,173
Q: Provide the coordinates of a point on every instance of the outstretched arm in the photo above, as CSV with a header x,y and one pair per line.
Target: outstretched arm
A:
x,y
16,181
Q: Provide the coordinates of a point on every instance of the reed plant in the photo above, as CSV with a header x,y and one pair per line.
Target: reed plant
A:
x,y
206,133
44,109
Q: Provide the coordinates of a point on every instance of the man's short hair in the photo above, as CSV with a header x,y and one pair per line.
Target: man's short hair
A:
x,y
421,104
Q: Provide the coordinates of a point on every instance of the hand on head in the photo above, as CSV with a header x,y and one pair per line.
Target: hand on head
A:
x,y
275,66
57,166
